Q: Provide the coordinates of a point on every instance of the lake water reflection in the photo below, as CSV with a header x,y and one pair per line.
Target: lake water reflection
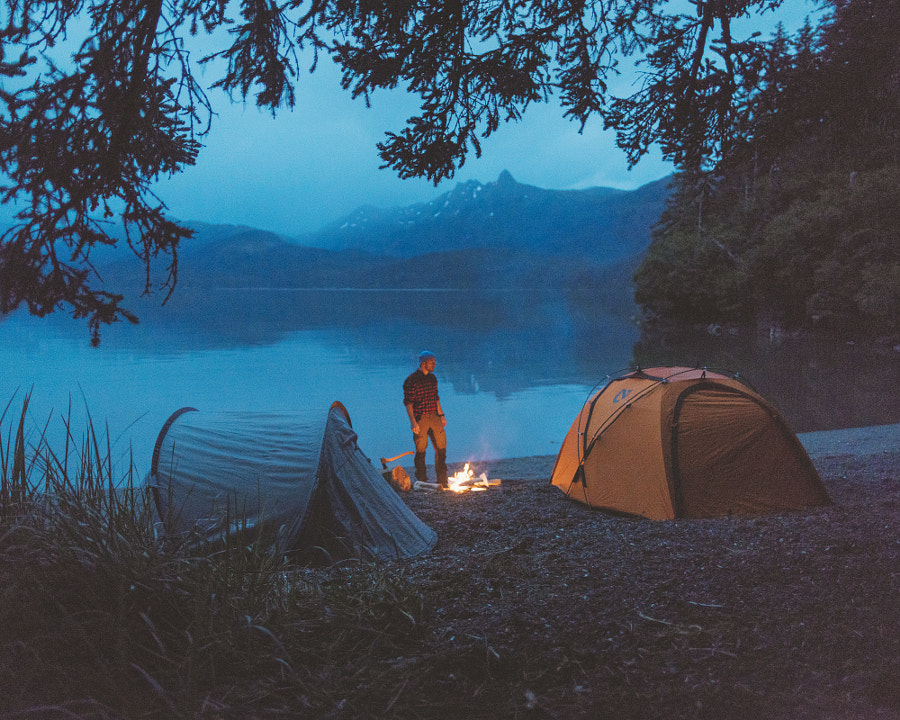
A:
x,y
514,366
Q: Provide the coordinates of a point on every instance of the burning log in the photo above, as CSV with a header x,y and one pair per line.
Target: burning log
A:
x,y
465,481
462,481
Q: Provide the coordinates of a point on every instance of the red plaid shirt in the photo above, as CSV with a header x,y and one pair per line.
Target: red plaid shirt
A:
x,y
421,391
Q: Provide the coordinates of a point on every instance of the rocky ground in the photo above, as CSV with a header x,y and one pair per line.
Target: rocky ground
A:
x,y
541,607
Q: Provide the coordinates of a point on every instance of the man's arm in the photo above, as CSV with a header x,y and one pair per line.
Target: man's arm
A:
x,y
413,424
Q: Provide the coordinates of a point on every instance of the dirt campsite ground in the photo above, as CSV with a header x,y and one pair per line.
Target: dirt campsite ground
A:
x,y
541,607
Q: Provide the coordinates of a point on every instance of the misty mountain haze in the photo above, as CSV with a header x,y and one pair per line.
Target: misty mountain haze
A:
x,y
505,214
496,235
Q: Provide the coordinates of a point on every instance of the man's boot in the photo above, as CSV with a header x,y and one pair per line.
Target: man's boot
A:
x,y
421,473
440,467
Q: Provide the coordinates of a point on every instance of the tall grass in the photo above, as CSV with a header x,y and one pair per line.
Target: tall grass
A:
x,y
102,614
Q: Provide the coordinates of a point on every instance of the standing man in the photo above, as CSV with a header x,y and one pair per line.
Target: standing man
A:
x,y
426,418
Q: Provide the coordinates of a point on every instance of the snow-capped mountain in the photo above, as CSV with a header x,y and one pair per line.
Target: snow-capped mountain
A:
x,y
601,223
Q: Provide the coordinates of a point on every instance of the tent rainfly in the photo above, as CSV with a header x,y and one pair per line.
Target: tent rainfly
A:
x,y
673,442
298,481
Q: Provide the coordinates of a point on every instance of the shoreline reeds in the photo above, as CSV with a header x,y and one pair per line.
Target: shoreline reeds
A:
x,y
102,614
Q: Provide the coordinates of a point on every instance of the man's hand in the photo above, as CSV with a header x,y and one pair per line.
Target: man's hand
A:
x,y
415,427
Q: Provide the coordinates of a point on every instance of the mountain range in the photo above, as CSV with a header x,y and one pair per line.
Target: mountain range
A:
x,y
502,234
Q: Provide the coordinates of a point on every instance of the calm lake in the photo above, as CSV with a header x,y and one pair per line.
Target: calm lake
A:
x,y
514,367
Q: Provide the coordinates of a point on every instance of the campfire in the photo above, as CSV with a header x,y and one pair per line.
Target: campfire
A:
x,y
465,481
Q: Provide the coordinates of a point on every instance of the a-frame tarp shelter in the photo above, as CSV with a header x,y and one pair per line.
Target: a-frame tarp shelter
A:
x,y
297,480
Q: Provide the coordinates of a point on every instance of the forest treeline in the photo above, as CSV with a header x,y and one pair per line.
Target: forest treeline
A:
x,y
797,224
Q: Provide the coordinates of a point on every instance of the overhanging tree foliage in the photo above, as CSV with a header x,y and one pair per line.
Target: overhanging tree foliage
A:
x,y
82,139
798,222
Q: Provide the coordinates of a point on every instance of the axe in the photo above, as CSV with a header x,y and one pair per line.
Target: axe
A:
x,y
397,477
385,461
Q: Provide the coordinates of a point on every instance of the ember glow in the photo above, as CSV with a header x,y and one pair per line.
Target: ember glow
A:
x,y
465,480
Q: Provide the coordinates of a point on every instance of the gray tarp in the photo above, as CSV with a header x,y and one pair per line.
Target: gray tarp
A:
x,y
297,479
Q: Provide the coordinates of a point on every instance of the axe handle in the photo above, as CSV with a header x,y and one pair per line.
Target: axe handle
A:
x,y
385,461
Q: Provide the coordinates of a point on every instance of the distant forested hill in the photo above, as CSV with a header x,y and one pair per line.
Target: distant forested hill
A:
x,y
499,235
601,224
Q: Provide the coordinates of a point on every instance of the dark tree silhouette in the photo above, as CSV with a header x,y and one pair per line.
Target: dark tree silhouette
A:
x,y
800,217
81,141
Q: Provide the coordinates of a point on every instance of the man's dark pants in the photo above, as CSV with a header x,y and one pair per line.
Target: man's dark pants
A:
x,y
430,426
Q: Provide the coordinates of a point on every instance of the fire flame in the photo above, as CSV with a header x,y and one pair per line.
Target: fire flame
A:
x,y
465,480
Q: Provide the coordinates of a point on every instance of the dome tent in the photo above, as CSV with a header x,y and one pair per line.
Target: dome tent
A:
x,y
672,442
298,481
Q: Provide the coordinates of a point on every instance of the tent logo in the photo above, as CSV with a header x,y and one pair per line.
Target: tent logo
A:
x,y
621,395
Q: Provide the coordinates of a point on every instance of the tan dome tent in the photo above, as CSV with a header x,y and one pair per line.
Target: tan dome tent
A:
x,y
297,480
680,442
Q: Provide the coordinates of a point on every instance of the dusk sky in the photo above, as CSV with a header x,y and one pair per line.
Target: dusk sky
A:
x,y
318,162
312,165
315,163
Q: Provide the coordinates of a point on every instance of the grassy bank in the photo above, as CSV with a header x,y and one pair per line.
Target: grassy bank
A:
x,y
531,606
104,615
